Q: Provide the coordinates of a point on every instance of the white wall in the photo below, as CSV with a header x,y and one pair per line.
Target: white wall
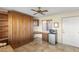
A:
x,y
71,29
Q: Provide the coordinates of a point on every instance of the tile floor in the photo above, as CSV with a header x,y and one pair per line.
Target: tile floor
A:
x,y
7,48
40,46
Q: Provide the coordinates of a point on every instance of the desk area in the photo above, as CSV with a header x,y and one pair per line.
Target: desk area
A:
x,y
44,35
50,36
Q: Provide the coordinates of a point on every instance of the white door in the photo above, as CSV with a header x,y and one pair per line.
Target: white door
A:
x,y
71,31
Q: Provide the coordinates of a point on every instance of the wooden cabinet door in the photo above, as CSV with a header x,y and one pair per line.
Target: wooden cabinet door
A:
x,y
20,29
45,37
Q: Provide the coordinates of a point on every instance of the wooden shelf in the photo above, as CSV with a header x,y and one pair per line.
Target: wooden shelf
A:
x,y
36,32
3,28
3,31
4,20
4,36
3,39
3,25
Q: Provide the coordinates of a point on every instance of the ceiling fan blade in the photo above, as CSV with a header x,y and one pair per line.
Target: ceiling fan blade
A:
x,y
33,10
45,11
42,13
35,13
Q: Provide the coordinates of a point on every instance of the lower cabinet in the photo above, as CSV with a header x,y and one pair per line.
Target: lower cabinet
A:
x,y
45,37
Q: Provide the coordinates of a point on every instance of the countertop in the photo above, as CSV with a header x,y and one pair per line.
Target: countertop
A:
x,y
40,32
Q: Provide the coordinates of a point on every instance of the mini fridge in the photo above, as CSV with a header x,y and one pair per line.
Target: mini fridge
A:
x,y
52,36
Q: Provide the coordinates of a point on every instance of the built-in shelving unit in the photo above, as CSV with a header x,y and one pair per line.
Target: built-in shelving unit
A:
x,y
3,28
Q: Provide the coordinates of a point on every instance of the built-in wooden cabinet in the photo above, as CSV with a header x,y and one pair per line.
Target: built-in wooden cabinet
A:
x,y
3,28
16,28
20,29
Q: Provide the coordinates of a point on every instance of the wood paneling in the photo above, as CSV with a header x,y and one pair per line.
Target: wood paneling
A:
x,y
20,29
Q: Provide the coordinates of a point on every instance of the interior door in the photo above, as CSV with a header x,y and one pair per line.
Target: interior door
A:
x,y
71,31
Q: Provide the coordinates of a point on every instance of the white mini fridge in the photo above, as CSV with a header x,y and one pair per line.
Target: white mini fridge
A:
x,y
52,37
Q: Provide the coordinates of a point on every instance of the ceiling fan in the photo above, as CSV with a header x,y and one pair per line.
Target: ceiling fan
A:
x,y
39,11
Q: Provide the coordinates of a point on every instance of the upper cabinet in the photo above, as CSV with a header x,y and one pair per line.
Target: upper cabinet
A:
x,y
36,22
46,25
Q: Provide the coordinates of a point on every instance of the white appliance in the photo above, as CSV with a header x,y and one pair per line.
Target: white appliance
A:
x,y
52,37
